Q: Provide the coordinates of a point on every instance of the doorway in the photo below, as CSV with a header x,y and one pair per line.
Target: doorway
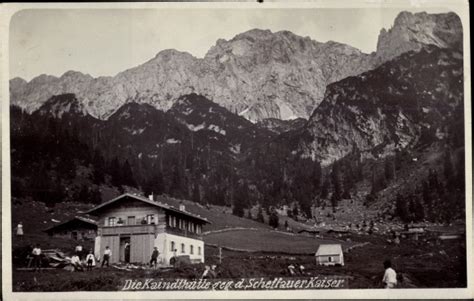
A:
x,y
124,253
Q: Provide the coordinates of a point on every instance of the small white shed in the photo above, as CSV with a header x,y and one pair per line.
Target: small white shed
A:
x,y
330,254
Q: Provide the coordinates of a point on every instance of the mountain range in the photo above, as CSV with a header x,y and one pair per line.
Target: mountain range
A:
x,y
265,117
257,74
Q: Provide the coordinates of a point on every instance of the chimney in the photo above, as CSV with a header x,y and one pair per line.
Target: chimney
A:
x,y
182,207
150,197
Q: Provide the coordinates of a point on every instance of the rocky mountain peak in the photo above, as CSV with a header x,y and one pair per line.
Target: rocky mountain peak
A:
x,y
257,74
74,75
18,81
413,31
389,108
43,79
132,109
60,105
254,34
169,54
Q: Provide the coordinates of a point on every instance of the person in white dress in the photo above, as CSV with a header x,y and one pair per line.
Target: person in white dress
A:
x,y
19,230
390,276
90,260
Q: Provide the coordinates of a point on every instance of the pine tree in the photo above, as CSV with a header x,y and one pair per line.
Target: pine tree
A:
x,y
115,172
238,209
295,212
325,189
95,196
127,175
336,183
389,169
260,218
461,172
273,220
401,209
175,187
196,193
98,164
448,170
419,212
154,185
348,185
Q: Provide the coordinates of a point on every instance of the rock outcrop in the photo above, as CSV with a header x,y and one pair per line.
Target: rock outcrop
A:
x,y
258,74
391,107
412,31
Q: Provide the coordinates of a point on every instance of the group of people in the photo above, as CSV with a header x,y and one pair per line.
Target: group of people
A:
x,y
90,260
209,272
78,263
296,269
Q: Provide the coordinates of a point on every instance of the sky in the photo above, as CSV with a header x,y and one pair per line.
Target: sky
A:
x,y
104,42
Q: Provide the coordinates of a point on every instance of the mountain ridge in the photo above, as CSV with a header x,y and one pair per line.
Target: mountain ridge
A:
x,y
258,74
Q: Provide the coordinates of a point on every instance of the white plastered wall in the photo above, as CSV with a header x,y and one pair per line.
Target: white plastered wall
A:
x,y
163,243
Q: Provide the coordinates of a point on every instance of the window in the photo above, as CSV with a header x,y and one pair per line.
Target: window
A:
x,y
182,249
329,259
198,229
174,221
191,249
199,250
172,246
112,221
150,219
131,220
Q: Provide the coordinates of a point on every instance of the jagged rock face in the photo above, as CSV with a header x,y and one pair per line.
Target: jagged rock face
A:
x,y
215,124
281,126
279,75
259,74
410,100
412,31
59,105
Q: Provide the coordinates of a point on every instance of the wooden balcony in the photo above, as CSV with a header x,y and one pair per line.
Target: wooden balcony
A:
x,y
130,229
181,232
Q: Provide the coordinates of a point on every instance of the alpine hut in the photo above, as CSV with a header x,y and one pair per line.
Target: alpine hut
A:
x,y
329,254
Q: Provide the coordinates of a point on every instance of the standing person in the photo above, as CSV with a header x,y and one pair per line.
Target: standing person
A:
x,y
90,260
127,252
19,230
213,272
154,257
37,257
390,276
79,251
107,255
206,273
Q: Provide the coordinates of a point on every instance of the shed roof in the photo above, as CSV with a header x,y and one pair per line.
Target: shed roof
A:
x,y
329,249
71,221
148,201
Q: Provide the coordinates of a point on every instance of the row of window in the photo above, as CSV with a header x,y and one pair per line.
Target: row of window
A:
x,y
182,224
183,248
131,220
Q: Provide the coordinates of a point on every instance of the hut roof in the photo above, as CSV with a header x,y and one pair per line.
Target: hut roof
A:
x,y
80,219
157,203
329,249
